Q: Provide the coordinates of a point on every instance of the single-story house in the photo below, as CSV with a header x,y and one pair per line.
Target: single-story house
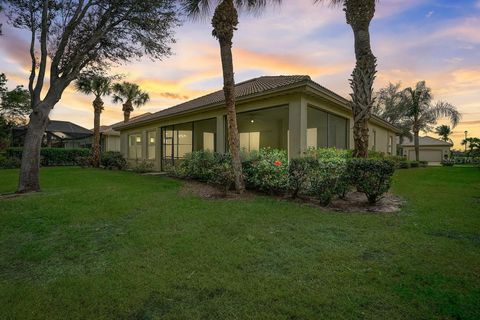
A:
x,y
430,149
110,138
59,134
284,112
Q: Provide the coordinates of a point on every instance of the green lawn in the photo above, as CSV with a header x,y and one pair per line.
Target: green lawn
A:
x,y
114,245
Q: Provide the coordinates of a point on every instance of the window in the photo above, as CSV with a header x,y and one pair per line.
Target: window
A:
x,y
263,128
204,133
182,140
325,130
135,146
151,145
374,146
250,141
390,144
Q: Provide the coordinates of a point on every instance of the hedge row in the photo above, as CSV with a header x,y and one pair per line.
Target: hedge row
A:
x,y
52,156
322,173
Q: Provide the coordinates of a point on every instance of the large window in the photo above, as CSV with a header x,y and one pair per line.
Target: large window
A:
x,y
181,139
325,129
135,146
263,128
204,133
151,145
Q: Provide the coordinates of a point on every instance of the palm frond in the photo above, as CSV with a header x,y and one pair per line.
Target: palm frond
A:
x,y
447,110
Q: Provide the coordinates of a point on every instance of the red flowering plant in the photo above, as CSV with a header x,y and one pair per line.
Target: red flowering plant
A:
x,y
268,171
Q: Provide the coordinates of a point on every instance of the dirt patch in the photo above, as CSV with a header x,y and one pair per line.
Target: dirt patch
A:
x,y
16,195
353,202
206,191
357,202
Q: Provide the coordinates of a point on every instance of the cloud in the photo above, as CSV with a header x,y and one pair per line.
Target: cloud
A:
x,y
429,14
171,95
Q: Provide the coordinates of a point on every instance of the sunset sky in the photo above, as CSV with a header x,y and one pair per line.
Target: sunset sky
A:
x,y
433,40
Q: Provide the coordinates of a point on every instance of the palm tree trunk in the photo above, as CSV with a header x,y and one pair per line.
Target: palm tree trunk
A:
x,y
127,109
97,109
359,13
29,180
224,23
416,143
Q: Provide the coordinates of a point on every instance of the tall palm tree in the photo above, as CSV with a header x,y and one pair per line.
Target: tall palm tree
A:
x,y
129,94
423,113
224,23
358,14
97,83
444,132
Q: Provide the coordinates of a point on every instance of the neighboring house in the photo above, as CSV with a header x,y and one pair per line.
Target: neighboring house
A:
x,y
59,134
430,149
110,138
285,112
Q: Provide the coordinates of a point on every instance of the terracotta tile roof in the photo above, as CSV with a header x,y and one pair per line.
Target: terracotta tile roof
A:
x,y
260,85
242,89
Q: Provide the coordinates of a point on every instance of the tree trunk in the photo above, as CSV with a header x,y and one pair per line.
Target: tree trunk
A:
x,y
97,109
224,23
127,109
29,180
359,13
416,142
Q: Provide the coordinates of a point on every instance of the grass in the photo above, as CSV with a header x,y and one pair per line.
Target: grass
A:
x,y
115,245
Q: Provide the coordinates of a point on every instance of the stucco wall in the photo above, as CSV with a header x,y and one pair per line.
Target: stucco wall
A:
x,y
297,124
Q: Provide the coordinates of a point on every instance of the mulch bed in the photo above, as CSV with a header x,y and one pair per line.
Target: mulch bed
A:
x,y
354,201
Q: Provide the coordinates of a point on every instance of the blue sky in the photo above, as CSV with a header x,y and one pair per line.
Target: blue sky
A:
x,y
433,40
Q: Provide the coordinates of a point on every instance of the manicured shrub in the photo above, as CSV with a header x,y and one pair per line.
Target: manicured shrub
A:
x,y
222,176
267,171
423,164
53,156
9,163
84,162
299,173
197,165
414,164
326,179
448,162
371,176
113,160
328,153
142,166
404,164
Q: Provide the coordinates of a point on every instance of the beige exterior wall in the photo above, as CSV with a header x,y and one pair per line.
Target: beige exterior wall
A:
x,y
409,152
111,143
297,124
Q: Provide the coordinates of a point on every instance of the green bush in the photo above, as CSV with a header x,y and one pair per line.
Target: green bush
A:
x,y
9,163
197,165
222,176
414,164
404,164
328,153
84,162
53,156
267,171
448,162
143,166
113,160
328,179
423,164
299,173
371,176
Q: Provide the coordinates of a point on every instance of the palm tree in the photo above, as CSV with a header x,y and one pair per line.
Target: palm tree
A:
x,y
358,14
224,23
129,94
444,131
423,113
97,83
473,144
